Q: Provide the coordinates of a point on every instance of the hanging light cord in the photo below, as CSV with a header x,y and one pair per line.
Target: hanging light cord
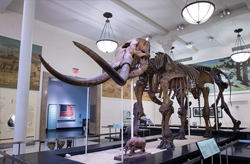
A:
x,y
107,29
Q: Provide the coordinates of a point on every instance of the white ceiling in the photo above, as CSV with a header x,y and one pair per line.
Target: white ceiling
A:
x,y
140,18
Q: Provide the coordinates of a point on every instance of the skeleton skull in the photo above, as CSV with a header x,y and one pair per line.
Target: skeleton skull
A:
x,y
132,58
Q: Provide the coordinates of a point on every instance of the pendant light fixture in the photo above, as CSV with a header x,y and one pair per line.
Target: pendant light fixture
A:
x,y
240,51
172,53
107,42
198,12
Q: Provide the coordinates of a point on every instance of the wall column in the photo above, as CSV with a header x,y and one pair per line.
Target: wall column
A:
x,y
23,84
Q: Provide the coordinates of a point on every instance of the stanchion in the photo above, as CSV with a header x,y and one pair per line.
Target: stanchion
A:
x,y
220,155
226,155
189,114
87,116
122,122
131,110
216,112
39,146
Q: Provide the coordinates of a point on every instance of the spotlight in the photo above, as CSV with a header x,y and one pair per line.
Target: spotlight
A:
x,y
189,45
211,39
180,27
224,13
148,38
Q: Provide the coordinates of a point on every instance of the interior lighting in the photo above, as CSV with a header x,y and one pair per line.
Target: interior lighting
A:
x,y
180,27
198,12
148,38
171,52
224,13
105,43
189,45
240,51
211,39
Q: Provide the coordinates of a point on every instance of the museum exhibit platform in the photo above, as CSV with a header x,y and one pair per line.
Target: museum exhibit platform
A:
x,y
239,152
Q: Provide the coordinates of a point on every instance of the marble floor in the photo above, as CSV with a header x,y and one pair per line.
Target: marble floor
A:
x,y
107,156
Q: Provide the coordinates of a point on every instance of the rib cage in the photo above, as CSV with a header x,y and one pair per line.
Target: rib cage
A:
x,y
178,84
192,74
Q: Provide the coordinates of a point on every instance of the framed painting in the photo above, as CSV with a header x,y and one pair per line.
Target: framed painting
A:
x,y
66,112
187,113
238,73
197,112
219,111
9,62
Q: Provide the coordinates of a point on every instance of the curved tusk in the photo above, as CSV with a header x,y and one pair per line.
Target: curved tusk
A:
x,y
120,80
74,81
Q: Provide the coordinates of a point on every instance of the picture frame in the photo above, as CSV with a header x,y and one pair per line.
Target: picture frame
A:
x,y
187,113
196,112
66,112
219,111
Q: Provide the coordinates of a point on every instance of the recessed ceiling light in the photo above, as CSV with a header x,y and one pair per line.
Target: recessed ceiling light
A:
x,y
211,39
148,38
189,45
180,27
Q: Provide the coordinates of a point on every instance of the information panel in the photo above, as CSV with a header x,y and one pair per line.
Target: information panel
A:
x,y
208,147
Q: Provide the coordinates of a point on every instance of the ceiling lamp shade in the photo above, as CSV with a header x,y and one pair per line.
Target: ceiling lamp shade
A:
x,y
240,51
107,42
198,12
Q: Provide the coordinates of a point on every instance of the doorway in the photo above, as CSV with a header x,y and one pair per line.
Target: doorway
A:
x,y
52,116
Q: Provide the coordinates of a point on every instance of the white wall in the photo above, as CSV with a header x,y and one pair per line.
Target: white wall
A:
x,y
63,93
57,48
111,111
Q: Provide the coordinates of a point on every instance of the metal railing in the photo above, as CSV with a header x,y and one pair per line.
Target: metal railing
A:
x,y
14,159
199,158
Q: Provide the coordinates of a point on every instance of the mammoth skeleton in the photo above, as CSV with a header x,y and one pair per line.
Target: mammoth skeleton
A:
x,y
132,59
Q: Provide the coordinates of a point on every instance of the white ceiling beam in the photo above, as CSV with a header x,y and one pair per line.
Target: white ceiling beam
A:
x,y
180,3
79,16
167,43
212,32
248,3
4,4
150,24
215,20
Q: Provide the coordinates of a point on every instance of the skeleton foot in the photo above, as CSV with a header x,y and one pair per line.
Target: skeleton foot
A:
x,y
208,134
236,125
181,136
162,142
166,143
219,125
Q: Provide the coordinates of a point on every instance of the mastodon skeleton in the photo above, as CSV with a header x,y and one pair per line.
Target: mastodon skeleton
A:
x,y
215,74
132,59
